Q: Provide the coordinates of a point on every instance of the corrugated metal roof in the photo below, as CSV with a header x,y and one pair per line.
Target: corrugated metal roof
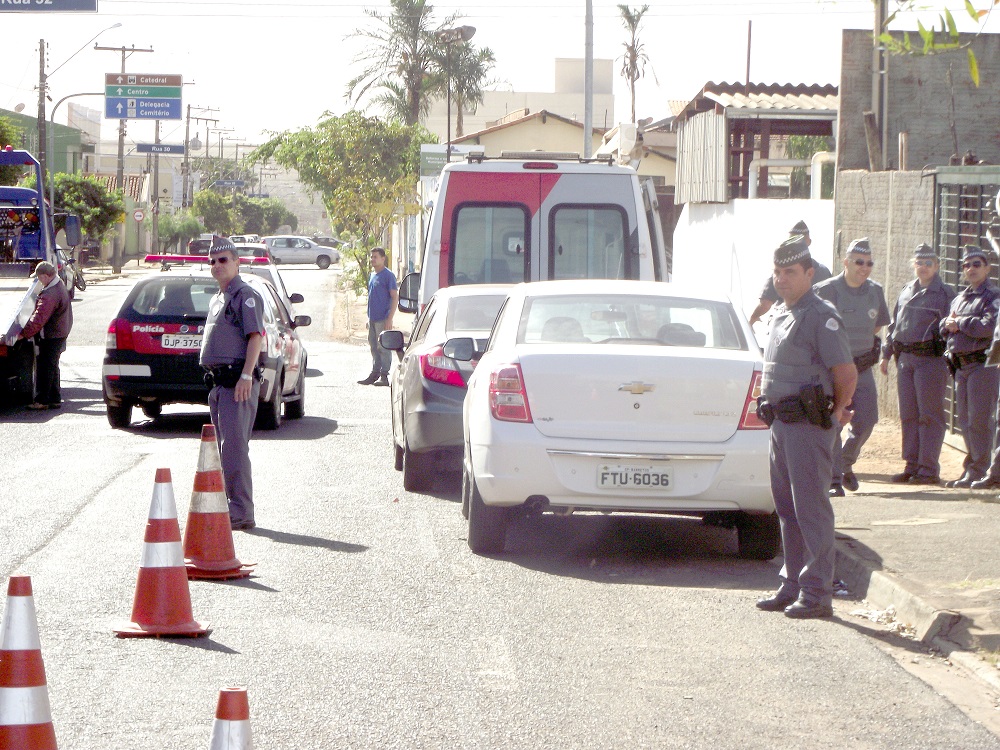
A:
x,y
785,97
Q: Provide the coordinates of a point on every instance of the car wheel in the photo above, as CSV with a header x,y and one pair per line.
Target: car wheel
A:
x,y
487,525
417,470
297,409
152,410
269,413
323,262
759,536
276,260
120,417
397,462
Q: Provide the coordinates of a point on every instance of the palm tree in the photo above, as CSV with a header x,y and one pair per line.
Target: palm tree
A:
x,y
634,60
398,57
469,68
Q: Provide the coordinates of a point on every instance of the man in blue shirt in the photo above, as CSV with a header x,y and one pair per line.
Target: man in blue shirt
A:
x,y
382,299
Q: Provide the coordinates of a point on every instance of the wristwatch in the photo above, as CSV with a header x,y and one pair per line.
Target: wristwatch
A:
x,y
244,376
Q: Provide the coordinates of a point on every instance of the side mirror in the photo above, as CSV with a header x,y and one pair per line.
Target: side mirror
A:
x,y
407,305
302,321
463,350
73,234
391,340
409,288
296,298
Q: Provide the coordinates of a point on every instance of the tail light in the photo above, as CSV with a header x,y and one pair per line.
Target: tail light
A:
x,y
508,399
750,420
120,335
440,369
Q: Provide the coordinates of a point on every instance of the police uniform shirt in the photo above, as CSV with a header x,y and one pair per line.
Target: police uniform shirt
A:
x,y
804,342
820,273
233,314
863,310
919,312
976,312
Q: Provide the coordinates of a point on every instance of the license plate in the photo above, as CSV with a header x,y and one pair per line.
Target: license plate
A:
x,y
631,477
182,341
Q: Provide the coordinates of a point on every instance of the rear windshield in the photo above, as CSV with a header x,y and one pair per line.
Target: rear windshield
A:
x,y
489,244
473,313
627,319
175,297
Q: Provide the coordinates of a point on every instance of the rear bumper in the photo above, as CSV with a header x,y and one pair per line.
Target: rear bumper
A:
x,y
514,462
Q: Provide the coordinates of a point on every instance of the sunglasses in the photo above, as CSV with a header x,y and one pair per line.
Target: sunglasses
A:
x,y
973,264
213,261
924,263
859,262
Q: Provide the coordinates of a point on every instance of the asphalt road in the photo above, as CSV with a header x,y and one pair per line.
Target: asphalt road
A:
x,y
369,624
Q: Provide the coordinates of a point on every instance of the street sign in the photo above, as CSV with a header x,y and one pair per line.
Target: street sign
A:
x,y
123,108
159,148
55,6
229,183
142,96
138,214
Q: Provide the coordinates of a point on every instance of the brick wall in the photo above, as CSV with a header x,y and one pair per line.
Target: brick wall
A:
x,y
930,97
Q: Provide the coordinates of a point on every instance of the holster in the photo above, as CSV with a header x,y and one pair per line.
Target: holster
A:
x,y
816,404
225,376
765,412
868,359
952,361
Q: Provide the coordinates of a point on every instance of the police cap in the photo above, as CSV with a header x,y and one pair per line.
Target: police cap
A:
x,y
974,251
800,228
791,251
221,245
860,246
924,252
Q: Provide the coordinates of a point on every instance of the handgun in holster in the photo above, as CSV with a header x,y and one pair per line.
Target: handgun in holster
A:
x,y
816,405
951,359
765,412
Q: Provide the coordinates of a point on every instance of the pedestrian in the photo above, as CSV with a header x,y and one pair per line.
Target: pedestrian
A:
x,y
49,324
230,354
809,379
970,327
768,295
914,339
861,304
383,296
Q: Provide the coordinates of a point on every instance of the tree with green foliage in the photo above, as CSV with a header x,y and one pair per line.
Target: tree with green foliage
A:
x,y
634,60
86,196
176,230
804,147
469,67
10,134
213,208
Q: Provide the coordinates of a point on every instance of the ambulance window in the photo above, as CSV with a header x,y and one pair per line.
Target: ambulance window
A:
x,y
589,242
490,244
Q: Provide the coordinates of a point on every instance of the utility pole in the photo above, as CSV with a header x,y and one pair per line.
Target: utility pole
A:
x,y
155,208
116,262
880,78
186,169
42,93
588,81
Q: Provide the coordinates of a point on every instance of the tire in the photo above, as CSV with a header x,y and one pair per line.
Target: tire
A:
x,y
487,525
297,409
152,410
79,282
759,536
417,470
323,262
269,413
120,417
466,493
397,462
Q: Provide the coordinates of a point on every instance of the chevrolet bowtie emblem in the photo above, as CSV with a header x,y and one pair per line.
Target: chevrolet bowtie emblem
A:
x,y
636,388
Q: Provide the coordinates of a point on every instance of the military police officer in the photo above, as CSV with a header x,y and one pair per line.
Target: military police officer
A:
x,y
969,328
808,363
915,340
861,304
230,351
768,295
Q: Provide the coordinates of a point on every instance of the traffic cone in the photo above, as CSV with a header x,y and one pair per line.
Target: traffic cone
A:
x,y
208,535
231,728
25,718
162,603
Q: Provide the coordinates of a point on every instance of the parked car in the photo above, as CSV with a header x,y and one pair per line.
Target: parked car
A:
x,y
616,396
199,246
252,249
328,242
151,356
292,249
427,388
237,239
270,272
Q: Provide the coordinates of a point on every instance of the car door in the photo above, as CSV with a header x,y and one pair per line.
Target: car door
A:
x,y
302,251
286,340
407,375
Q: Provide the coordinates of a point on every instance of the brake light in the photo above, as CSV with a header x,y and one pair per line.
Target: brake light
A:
x,y
120,335
508,399
440,369
750,420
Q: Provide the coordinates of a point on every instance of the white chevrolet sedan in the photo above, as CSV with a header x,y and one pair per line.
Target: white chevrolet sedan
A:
x,y
616,396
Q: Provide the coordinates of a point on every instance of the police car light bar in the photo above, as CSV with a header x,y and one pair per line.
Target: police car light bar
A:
x,y
203,259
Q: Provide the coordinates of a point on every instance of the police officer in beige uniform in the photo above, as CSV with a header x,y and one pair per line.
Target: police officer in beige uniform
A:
x,y
809,379
862,307
969,328
914,339
230,354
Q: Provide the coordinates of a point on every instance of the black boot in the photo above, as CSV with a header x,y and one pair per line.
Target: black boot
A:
x,y
370,379
383,380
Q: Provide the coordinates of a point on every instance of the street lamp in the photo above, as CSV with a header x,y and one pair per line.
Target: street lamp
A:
x,y
448,37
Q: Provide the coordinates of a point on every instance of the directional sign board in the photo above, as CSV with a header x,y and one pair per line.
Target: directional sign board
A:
x,y
54,6
142,96
159,148
229,183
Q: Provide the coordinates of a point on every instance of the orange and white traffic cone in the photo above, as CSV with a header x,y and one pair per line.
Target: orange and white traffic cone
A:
x,y
231,728
25,718
208,535
162,605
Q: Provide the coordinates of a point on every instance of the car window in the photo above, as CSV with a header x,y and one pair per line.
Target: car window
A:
x,y
473,313
626,319
489,245
420,331
175,297
279,307
589,243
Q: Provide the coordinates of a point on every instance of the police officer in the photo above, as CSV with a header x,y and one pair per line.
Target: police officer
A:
x,y
807,361
861,304
969,328
230,351
915,340
768,295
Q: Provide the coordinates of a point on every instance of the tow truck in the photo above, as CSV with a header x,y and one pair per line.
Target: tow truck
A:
x,y
27,237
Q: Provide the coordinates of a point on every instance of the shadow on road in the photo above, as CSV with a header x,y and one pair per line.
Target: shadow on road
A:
x,y
190,423
285,537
